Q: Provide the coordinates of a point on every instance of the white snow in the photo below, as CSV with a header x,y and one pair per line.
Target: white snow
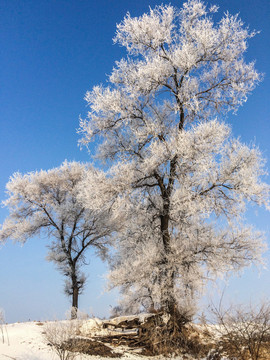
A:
x,y
24,341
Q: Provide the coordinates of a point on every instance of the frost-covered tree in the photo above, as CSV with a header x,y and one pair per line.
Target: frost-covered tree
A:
x,y
46,203
183,181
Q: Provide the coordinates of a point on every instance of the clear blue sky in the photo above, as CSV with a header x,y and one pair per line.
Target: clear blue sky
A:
x,y
52,52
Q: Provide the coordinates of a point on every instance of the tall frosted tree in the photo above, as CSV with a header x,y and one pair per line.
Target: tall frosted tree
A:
x,y
46,203
181,181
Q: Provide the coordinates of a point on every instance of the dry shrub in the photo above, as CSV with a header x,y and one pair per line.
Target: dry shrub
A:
x,y
244,332
57,334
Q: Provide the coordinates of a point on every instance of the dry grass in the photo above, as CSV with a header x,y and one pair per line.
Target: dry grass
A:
x,y
90,347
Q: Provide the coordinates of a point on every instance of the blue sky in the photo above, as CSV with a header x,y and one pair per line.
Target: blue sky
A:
x,y
53,51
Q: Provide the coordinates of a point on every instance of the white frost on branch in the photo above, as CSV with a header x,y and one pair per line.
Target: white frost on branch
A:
x,y
215,177
176,55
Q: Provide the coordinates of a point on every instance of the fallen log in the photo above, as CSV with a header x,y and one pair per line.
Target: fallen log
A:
x,y
125,324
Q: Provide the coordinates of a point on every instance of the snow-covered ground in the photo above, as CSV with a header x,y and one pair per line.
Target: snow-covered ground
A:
x,y
25,341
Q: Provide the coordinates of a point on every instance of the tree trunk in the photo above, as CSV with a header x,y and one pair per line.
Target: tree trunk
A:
x,y
75,296
168,301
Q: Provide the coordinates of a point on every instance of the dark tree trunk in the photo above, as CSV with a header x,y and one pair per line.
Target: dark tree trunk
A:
x,y
75,293
169,302
75,297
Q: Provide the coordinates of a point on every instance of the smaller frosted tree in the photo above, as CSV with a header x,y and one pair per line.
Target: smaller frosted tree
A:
x,y
46,202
